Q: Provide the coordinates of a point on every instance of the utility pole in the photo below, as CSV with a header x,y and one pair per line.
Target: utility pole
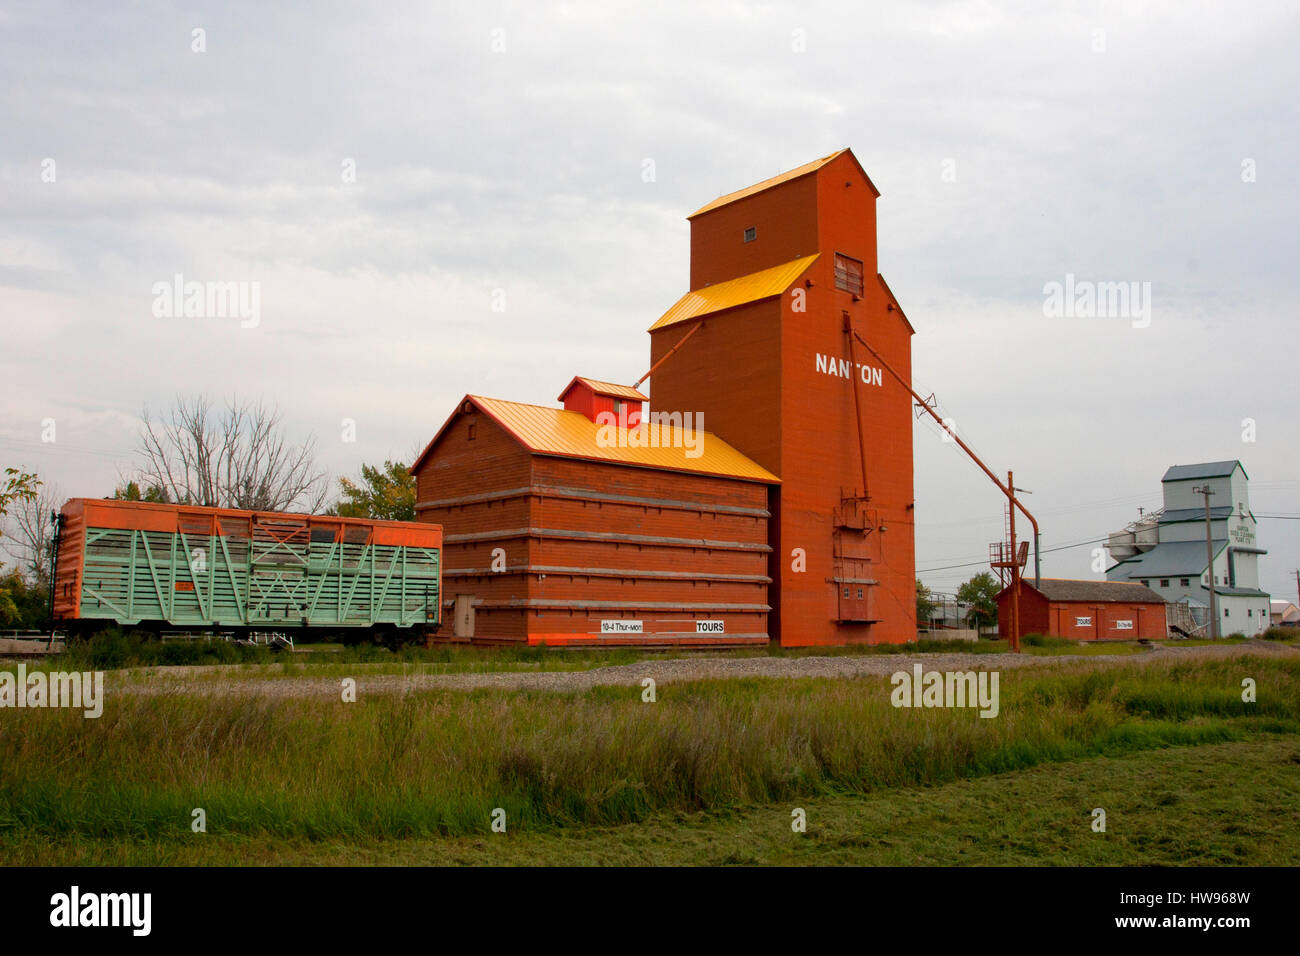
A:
x,y
1015,571
1209,559
57,520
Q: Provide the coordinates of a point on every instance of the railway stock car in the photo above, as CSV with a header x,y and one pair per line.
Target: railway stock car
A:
x,y
180,567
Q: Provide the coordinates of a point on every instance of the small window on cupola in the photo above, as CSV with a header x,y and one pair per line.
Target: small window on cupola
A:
x,y
848,274
751,233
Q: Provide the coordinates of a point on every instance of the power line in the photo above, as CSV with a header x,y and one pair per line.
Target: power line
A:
x,y
66,448
971,564
1066,547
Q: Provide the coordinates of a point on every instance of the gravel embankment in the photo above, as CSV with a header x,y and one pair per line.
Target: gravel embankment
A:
x,y
180,680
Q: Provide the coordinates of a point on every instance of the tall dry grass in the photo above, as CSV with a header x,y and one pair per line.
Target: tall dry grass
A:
x,y
441,761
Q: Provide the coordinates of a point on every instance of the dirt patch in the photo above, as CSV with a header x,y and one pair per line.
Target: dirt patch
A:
x,y
11,647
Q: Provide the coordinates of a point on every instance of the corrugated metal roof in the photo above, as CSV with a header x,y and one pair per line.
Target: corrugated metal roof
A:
x,y
1240,592
734,292
795,173
607,388
1194,514
1207,469
1065,589
1169,559
555,431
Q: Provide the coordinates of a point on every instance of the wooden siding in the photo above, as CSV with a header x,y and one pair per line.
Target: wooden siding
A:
x,y
549,547
754,373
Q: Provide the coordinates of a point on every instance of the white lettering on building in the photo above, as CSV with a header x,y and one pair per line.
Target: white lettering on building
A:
x,y
843,368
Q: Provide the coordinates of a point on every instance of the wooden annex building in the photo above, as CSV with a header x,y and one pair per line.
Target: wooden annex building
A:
x,y
551,537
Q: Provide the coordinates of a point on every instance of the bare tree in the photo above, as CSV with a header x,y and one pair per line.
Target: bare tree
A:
x,y
29,537
237,457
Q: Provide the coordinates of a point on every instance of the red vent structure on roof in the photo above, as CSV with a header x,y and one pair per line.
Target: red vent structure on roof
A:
x,y
591,397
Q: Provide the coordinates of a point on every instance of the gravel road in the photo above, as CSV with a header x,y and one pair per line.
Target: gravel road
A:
x,y
181,680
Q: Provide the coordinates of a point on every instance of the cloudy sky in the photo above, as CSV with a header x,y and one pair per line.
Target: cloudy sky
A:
x,y
381,171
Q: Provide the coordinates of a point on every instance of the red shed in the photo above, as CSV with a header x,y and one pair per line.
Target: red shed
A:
x,y
562,529
1086,610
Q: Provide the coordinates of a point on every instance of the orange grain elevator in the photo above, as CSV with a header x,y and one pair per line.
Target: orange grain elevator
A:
x,y
782,274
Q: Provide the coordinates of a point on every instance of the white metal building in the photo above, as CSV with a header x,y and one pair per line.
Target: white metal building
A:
x,y
1166,550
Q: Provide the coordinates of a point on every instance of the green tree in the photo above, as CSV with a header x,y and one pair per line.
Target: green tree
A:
x,y
981,593
10,583
925,605
386,492
131,492
22,603
18,487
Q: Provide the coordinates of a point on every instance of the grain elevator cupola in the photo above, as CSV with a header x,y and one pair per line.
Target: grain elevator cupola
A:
x,y
783,281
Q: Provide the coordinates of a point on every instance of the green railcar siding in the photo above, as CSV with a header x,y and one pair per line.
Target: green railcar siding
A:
x,y
183,579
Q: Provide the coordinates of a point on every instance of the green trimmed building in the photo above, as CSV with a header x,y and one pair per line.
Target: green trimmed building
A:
x,y
1166,550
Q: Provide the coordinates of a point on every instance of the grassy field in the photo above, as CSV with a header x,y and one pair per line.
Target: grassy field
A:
x,y
1233,804
602,776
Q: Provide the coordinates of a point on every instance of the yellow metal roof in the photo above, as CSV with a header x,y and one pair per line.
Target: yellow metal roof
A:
x,y
734,292
607,388
612,388
555,431
795,173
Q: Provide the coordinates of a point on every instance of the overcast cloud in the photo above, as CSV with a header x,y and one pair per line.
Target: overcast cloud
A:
x,y
1119,155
